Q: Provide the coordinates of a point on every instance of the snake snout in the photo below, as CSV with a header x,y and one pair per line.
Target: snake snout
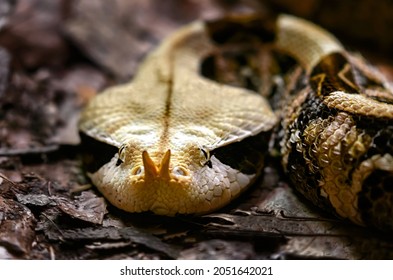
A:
x,y
153,171
162,170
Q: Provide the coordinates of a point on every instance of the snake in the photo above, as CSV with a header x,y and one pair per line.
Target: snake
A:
x,y
172,141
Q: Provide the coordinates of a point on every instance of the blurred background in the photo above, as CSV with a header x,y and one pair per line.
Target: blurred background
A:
x,y
114,35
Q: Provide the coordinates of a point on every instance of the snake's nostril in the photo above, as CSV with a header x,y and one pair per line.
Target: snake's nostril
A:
x,y
137,170
180,171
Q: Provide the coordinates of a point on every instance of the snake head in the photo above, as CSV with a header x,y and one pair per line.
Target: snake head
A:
x,y
168,183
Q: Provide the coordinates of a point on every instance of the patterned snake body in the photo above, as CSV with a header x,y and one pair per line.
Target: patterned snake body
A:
x,y
181,143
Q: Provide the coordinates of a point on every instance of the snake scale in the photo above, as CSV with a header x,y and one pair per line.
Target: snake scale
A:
x,y
179,143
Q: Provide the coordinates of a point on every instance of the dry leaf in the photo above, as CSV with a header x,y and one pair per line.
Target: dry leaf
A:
x,y
16,228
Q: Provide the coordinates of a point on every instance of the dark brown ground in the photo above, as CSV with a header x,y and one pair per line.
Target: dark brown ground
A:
x,y
56,55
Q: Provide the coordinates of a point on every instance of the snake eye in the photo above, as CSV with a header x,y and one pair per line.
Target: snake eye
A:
x,y
206,154
121,155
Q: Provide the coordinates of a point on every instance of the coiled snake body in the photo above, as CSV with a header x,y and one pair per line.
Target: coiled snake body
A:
x,y
181,143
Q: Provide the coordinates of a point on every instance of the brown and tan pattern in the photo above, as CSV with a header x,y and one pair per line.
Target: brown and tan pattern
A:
x,y
177,142
338,147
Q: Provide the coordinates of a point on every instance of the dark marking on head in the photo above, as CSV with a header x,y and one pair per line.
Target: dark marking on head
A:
x,y
247,156
95,153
